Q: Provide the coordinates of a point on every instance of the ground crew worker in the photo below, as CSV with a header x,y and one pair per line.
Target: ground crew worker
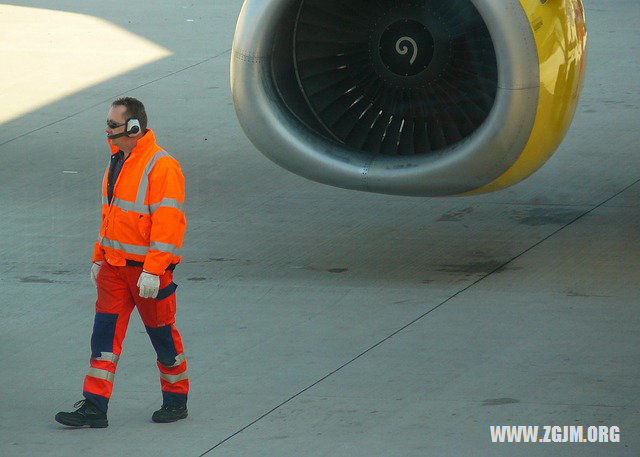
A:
x,y
143,224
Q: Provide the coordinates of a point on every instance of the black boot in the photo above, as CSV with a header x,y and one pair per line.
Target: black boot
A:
x,y
86,414
170,413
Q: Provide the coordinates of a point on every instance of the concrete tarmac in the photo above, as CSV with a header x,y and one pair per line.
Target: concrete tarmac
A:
x,y
317,321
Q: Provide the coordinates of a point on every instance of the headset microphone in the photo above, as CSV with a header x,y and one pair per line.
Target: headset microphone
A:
x,y
117,135
132,127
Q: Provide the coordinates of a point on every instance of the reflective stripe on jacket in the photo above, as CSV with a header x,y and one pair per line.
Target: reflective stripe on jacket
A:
x,y
145,221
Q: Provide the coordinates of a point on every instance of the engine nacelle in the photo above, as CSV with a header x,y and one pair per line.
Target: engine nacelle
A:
x,y
409,97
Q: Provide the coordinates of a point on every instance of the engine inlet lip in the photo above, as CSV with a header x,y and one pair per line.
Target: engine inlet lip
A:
x,y
489,152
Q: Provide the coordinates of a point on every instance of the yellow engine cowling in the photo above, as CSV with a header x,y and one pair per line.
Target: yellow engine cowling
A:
x,y
559,28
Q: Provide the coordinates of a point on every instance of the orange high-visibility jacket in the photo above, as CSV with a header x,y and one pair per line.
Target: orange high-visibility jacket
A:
x,y
145,221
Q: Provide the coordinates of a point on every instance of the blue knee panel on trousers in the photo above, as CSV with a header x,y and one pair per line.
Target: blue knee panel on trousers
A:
x,y
162,341
104,329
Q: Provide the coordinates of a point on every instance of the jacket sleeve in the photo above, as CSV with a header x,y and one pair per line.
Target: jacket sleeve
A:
x,y
98,254
168,222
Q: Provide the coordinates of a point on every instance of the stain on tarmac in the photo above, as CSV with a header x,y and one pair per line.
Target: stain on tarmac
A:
x,y
36,280
473,267
572,293
330,270
499,401
545,216
455,215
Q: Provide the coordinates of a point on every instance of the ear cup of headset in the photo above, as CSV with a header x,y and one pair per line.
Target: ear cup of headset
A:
x,y
133,127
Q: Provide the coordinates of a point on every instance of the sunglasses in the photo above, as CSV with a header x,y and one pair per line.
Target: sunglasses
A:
x,y
114,125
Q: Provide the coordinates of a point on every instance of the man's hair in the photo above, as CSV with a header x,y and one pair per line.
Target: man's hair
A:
x,y
135,110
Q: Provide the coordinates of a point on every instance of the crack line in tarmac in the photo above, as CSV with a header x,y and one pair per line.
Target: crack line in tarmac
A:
x,y
208,59
422,316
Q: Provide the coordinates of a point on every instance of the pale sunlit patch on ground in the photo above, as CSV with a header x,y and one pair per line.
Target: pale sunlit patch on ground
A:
x,y
47,55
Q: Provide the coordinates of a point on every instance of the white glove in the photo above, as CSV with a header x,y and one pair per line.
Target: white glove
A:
x,y
148,284
95,268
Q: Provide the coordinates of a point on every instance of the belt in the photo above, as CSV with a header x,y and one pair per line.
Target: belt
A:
x,y
134,263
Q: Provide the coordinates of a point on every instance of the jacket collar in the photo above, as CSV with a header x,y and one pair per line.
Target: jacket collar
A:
x,y
147,141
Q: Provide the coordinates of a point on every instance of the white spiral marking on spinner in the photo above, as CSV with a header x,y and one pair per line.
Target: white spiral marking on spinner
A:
x,y
402,51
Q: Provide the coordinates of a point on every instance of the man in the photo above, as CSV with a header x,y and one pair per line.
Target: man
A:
x,y
142,229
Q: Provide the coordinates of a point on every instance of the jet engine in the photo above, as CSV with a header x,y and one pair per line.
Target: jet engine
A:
x,y
409,97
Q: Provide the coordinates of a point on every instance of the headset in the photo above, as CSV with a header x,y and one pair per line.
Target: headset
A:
x,y
132,127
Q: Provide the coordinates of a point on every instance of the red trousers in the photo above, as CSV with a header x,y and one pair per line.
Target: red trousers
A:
x,y
118,294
